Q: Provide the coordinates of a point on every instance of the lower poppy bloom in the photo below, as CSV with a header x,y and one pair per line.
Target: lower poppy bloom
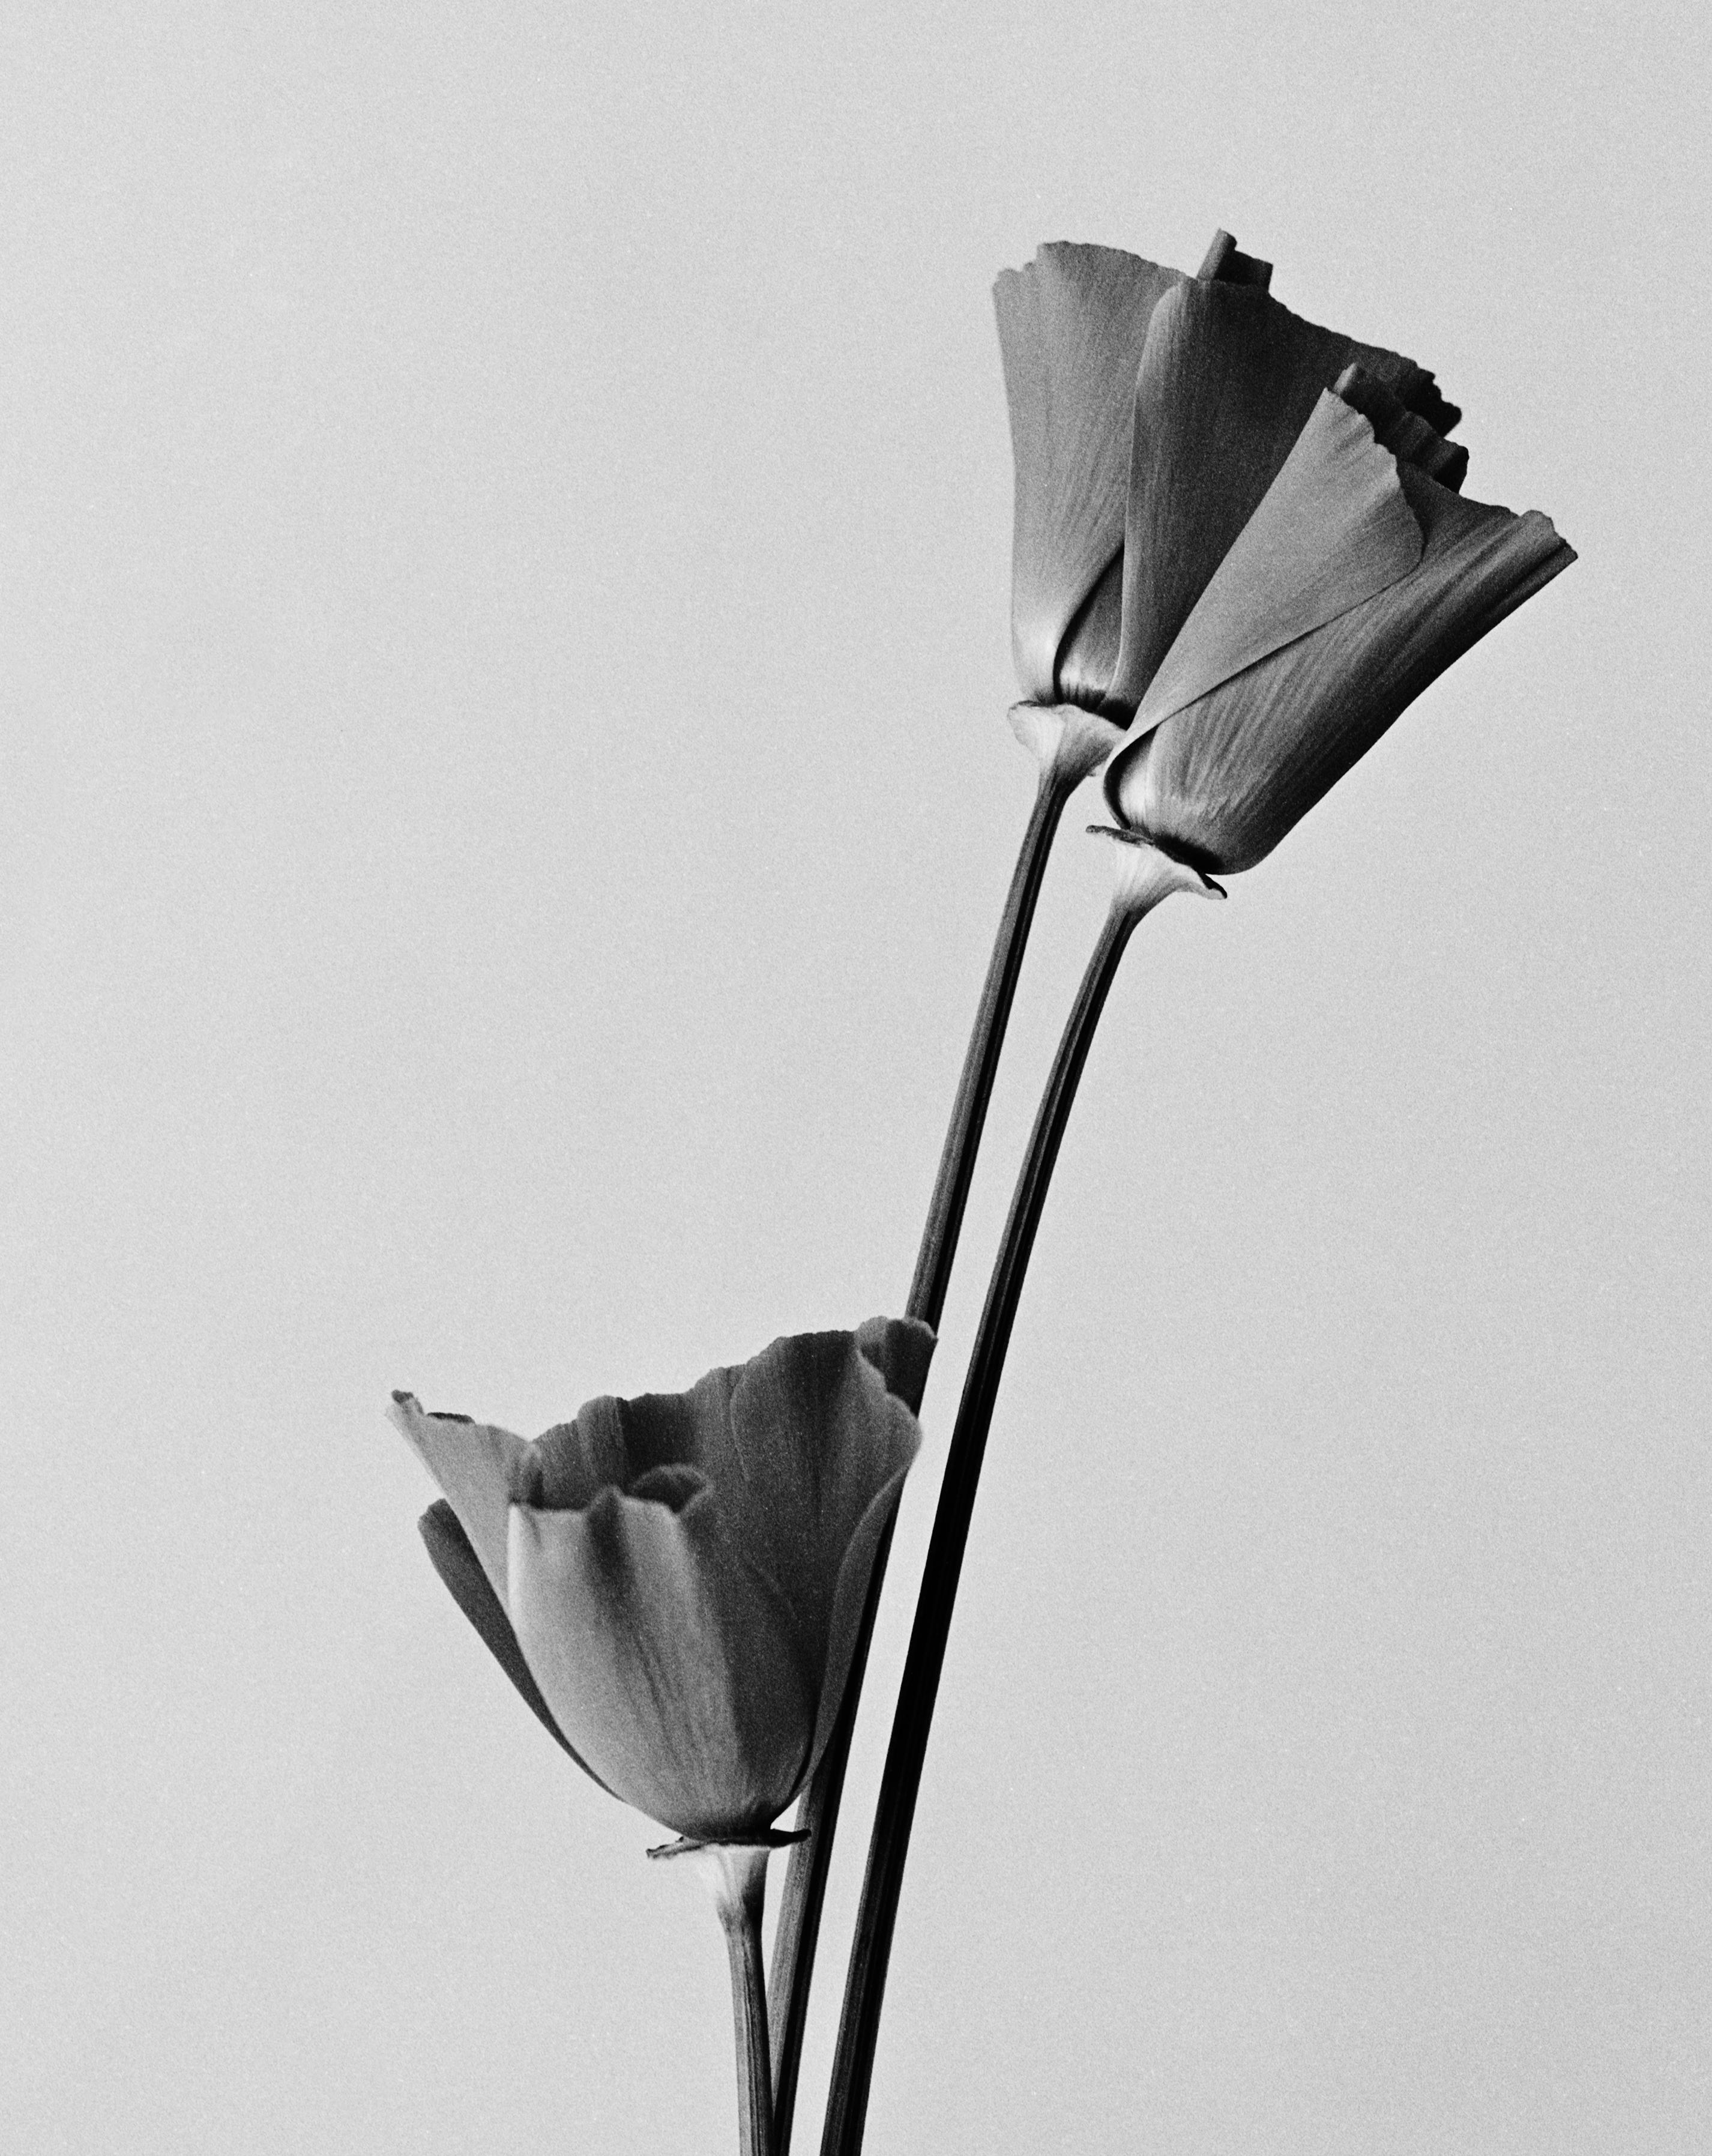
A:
x,y
676,1583
1361,576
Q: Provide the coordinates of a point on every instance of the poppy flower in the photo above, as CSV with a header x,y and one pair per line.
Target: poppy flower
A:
x,y
1360,576
1149,411
676,1583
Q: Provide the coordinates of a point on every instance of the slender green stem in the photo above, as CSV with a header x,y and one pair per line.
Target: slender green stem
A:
x,y
805,1881
864,1990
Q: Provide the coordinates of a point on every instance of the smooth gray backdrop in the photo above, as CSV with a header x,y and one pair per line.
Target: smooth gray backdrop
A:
x,y
503,575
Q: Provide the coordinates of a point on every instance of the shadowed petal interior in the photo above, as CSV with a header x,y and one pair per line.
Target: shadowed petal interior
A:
x,y
612,1442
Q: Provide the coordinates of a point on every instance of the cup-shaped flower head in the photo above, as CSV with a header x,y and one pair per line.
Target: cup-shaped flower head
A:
x,y
1358,578
1149,411
676,1583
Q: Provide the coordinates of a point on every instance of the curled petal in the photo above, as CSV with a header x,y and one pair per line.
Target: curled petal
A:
x,y
901,1350
1404,433
1071,327
1227,381
473,1463
1225,262
1223,780
665,1656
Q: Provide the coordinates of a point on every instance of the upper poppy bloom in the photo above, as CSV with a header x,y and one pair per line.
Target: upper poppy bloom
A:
x,y
1150,413
676,1583
1360,576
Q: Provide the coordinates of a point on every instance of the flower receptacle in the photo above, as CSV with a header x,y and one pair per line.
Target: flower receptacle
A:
x,y
1069,743
1145,873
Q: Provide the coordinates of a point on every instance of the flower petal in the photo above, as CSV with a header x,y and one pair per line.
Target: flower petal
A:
x,y
454,1558
613,1442
1404,433
665,1657
473,1463
1225,261
1224,780
1089,654
847,1606
1228,379
1333,529
816,1436
1071,327
795,1441
901,1349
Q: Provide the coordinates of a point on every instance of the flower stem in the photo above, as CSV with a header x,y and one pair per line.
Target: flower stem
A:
x,y
740,1914
957,1161
805,1882
1142,882
735,1874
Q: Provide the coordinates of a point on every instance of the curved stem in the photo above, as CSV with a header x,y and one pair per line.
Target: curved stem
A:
x,y
956,1160
805,1882
1145,876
